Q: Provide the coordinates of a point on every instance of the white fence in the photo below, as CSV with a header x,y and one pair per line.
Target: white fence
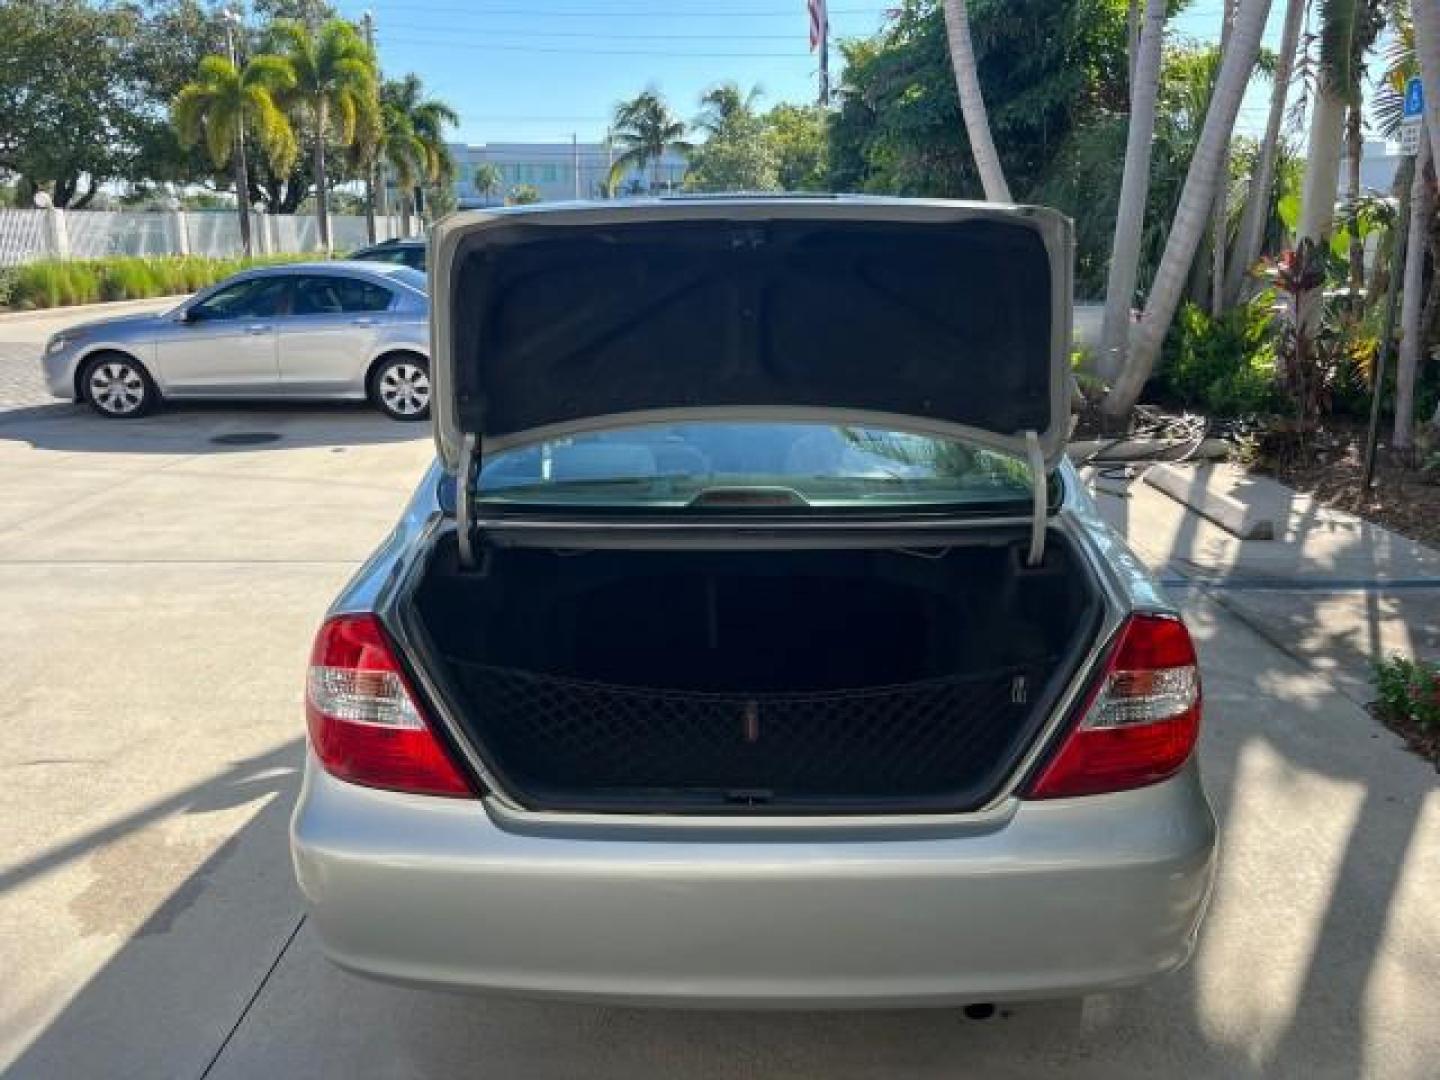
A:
x,y
27,235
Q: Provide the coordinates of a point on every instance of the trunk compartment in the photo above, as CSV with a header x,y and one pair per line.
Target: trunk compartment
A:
x,y
754,681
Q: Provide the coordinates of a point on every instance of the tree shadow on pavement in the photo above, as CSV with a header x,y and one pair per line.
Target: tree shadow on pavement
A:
x,y
166,1000
1295,974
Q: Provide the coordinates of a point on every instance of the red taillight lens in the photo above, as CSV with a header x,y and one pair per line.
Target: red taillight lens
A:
x,y
364,724
1141,721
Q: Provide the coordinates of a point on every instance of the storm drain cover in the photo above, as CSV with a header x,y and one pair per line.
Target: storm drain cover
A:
x,y
245,438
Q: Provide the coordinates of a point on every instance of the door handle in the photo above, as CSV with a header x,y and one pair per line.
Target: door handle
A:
x,y
363,321
257,328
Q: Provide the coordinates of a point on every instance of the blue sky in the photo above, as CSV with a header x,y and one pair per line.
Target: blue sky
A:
x,y
542,69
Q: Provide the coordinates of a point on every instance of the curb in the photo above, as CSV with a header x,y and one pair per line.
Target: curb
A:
x,y
112,307
1229,513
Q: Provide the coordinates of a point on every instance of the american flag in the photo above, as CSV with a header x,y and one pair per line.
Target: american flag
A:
x,y
819,21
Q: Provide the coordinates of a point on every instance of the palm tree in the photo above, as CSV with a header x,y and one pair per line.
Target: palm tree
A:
x,y
1422,214
1262,176
335,87
1134,191
1347,30
1426,17
421,122
487,180
1196,200
972,102
645,128
222,104
723,105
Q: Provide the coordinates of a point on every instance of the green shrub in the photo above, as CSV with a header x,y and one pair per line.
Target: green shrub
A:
x,y
1409,690
52,283
1223,366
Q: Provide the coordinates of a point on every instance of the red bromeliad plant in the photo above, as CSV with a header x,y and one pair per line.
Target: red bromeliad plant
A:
x,y
1306,359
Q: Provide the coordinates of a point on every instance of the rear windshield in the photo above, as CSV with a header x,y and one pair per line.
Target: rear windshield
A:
x,y
752,465
408,276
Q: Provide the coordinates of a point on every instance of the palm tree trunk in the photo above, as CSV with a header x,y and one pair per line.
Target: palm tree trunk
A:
x,y
242,185
370,186
1322,183
1412,328
1426,16
1196,200
972,103
1134,193
1219,214
1262,178
1355,152
404,198
322,201
1322,166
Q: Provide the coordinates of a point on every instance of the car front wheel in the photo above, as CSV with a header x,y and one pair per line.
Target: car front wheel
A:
x,y
118,387
401,388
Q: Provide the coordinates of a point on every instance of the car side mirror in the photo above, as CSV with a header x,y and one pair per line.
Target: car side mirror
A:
x,y
192,315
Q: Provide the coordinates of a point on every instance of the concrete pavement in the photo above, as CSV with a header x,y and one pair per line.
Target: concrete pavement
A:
x,y
159,593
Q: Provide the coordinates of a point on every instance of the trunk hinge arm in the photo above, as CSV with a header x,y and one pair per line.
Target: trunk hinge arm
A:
x,y
464,502
1039,498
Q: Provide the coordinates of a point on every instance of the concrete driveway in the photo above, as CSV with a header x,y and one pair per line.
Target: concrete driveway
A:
x,y
159,591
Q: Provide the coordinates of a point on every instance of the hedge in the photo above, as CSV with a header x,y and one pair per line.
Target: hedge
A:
x,y
51,283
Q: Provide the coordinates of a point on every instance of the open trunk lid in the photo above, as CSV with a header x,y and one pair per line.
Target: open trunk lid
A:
x,y
942,318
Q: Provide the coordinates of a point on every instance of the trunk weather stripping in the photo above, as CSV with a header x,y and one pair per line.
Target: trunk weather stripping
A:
x,y
464,500
1040,496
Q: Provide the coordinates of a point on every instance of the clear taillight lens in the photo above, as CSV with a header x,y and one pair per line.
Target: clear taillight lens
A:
x,y
364,724
1142,718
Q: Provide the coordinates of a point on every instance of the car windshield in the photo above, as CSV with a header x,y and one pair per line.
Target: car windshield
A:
x,y
752,465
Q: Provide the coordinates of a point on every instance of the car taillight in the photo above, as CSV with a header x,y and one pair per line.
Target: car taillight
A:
x,y
365,726
1142,718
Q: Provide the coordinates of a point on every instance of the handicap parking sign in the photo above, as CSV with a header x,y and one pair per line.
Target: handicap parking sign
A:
x,y
1414,98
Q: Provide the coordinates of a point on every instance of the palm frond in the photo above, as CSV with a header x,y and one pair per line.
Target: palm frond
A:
x,y
187,113
220,130
269,71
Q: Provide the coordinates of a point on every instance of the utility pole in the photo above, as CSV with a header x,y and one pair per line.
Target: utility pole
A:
x,y
232,19
367,21
609,161
575,163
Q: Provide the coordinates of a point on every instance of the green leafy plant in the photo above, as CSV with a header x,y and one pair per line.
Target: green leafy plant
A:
x,y
1223,366
1408,690
50,283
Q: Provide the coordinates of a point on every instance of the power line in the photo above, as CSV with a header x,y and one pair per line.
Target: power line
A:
x,y
645,13
588,35
490,47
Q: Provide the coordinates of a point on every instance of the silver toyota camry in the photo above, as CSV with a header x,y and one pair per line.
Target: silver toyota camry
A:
x,y
751,641
335,330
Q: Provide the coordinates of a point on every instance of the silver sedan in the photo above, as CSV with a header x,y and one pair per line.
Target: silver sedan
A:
x,y
332,330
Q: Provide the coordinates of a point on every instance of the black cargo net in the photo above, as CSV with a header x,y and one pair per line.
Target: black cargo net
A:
x,y
925,738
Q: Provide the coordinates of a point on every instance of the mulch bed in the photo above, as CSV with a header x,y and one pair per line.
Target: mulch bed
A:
x,y
1423,741
1404,499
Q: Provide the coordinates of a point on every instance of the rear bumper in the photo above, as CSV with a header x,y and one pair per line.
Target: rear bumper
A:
x,y
1041,900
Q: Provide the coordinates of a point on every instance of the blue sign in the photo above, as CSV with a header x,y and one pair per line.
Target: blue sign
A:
x,y
1414,98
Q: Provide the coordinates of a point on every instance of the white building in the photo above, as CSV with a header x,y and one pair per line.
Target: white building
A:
x,y
560,170
1379,162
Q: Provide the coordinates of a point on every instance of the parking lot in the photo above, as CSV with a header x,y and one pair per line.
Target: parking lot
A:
x,y
160,582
